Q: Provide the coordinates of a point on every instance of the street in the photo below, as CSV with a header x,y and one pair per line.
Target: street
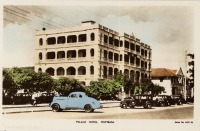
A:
x,y
110,117
108,112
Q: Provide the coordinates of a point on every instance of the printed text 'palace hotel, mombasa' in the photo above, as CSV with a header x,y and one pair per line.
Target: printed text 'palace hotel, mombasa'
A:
x,y
91,52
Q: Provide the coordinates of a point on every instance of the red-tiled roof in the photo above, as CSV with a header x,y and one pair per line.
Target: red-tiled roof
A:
x,y
162,72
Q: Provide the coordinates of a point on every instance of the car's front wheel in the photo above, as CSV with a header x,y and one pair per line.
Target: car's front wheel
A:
x,y
88,108
56,108
180,103
148,106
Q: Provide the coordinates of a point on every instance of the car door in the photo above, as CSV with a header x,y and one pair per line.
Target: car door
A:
x,y
72,101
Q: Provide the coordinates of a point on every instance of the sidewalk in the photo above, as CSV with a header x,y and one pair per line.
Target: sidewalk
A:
x,y
9,109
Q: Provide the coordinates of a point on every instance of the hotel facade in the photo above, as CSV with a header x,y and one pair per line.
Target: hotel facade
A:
x,y
91,52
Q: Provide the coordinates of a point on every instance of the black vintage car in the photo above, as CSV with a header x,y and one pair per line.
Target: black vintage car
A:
x,y
166,100
158,101
21,98
178,99
137,100
190,99
42,98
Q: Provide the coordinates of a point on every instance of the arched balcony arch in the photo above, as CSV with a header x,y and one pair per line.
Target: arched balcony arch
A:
x,y
60,71
126,72
71,71
110,71
82,70
116,71
50,71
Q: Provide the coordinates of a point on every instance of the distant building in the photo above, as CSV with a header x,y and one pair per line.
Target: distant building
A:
x,y
172,80
90,52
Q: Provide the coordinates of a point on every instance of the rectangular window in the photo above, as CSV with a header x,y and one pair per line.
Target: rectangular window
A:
x,y
82,38
51,40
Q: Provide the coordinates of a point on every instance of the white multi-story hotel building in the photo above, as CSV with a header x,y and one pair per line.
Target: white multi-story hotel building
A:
x,y
90,52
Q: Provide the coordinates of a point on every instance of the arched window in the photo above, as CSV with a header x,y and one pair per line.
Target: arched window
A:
x,y
105,72
41,41
105,39
92,52
92,37
110,71
126,72
81,70
92,70
40,56
39,69
115,71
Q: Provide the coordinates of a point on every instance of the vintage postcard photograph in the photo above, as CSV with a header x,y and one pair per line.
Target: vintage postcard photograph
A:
x,y
99,65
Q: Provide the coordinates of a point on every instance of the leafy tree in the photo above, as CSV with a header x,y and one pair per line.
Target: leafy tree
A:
x,y
120,78
103,89
137,89
31,81
93,89
65,86
127,83
146,85
157,89
9,87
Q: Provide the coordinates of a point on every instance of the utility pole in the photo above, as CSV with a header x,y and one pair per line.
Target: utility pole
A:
x,y
185,83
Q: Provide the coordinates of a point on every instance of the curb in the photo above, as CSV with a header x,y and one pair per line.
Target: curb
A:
x,y
15,112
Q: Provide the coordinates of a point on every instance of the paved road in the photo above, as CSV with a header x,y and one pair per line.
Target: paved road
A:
x,y
123,119
110,112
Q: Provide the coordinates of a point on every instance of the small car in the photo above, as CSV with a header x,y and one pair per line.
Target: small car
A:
x,y
166,100
75,100
178,99
137,100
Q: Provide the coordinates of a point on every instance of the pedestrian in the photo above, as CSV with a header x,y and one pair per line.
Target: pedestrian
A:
x,y
34,99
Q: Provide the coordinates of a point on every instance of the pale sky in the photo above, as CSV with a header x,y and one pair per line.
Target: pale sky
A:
x,y
167,29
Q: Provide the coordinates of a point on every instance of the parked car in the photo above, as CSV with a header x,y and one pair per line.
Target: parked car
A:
x,y
137,100
75,100
22,98
178,99
158,101
190,99
38,98
167,100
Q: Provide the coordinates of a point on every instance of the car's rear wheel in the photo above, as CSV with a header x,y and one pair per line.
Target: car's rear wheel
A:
x,y
56,108
180,103
88,108
124,106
